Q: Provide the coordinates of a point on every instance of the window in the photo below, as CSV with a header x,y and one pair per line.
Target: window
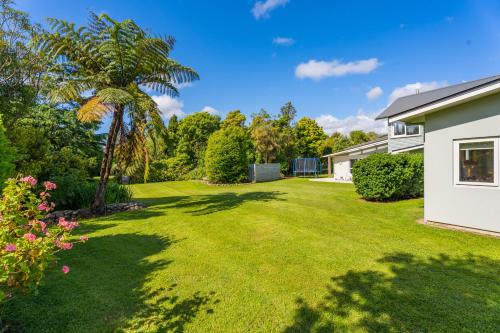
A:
x,y
476,162
351,164
401,129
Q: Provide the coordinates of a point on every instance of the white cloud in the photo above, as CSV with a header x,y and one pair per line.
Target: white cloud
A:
x,y
261,9
210,110
413,88
284,41
183,85
169,106
318,70
361,121
374,93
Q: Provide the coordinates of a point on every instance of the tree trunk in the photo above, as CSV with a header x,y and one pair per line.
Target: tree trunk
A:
x,y
99,204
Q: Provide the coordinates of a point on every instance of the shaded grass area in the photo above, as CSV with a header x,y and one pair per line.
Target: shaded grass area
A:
x,y
286,256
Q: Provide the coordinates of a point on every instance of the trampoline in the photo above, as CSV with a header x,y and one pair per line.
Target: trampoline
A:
x,y
307,166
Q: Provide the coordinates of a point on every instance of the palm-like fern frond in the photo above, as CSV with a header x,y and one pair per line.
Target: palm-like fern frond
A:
x,y
93,110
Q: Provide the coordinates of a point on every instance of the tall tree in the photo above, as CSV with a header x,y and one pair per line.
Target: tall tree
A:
x,y
310,138
172,138
193,134
266,140
286,116
234,119
112,60
21,66
288,144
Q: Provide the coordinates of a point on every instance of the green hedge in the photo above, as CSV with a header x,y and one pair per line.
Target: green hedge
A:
x,y
226,158
386,177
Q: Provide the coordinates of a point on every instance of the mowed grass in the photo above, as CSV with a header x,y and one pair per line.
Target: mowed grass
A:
x,y
285,256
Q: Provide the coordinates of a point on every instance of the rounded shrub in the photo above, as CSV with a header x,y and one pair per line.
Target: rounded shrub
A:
x,y
226,158
387,177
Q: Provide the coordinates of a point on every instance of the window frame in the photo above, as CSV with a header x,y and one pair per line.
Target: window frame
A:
x,y
456,162
394,135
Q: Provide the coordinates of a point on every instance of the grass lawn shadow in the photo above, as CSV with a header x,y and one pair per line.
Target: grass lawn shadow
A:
x,y
198,205
111,287
437,294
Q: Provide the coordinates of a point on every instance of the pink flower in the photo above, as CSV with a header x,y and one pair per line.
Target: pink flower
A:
x,y
44,194
30,180
10,247
84,239
68,226
43,225
29,237
43,206
49,185
67,246
65,269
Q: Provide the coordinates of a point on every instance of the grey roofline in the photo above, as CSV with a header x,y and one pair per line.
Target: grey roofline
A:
x,y
360,146
411,102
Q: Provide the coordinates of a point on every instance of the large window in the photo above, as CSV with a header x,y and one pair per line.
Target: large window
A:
x,y
401,129
476,162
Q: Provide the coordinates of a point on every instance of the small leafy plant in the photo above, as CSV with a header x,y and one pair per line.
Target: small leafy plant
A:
x,y
28,246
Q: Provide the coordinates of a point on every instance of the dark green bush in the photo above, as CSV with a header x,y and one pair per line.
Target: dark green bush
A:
x,y
386,177
226,159
173,168
74,193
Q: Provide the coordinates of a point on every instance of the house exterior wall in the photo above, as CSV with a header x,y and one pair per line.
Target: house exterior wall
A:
x,y
342,168
342,164
397,143
465,205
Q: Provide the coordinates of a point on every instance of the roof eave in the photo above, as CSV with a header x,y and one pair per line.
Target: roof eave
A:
x,y
446,103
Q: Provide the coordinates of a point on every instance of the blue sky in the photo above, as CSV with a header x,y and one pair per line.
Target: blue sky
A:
x,y
324,56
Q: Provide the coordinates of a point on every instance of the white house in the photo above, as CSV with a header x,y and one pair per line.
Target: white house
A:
x,y
401,138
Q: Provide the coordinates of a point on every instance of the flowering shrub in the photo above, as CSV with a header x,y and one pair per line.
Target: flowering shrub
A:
x,y
27,244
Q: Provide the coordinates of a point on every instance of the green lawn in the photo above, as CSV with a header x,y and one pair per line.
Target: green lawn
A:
x,y
286,256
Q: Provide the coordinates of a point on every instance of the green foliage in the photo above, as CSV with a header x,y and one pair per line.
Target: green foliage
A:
x,y
7,156
226,159
21,65
193,134
234,118
27,245
310,138
266,141
384,177
52,142
172,137
172,168
74,193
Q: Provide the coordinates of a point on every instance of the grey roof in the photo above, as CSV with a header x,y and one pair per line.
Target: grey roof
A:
x,y
379,139
408,103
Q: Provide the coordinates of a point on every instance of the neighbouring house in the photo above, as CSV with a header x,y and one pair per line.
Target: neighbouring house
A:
x,y
401,138
461,127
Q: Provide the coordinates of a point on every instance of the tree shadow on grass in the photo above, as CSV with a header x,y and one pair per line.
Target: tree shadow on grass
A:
x,y
198,205
437,294
111,287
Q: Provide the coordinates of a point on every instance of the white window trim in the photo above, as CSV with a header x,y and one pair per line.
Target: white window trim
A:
x,y
456,162
395,136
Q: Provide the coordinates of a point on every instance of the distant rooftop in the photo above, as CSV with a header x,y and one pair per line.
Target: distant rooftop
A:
x,y
380,140
408,103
